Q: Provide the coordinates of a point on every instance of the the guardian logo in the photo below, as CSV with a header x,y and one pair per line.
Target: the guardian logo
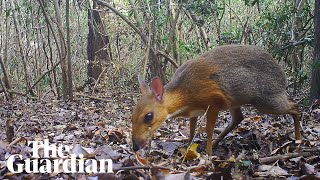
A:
x,y
54,158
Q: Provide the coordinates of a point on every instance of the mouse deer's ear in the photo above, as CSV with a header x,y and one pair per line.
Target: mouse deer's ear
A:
x,y
157,88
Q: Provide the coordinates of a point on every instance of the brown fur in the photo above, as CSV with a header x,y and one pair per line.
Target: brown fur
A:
x,y
223,78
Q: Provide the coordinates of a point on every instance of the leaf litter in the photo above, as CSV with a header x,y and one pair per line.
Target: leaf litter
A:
x,y
261,147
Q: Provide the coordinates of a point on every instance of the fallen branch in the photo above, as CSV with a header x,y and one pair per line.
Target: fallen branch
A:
x,y
16,141
142,167
272,159
97,81
91,97
21,94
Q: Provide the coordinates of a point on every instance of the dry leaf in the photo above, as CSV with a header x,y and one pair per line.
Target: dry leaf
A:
x,y
256,118
141,160
192,152
271,170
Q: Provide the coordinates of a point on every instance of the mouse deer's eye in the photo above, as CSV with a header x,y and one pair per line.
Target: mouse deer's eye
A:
x,y
148,118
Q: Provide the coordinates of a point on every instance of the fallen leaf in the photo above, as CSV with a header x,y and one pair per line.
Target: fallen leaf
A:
x,y
141,160
256,118
77,149
192,152
274,171
167,175
170,147
307,169
106,152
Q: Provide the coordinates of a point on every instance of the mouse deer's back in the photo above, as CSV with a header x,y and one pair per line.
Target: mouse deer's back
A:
x,y
243,74
246,73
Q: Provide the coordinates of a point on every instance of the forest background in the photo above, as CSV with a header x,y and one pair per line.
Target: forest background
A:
x,y
68,73
54,48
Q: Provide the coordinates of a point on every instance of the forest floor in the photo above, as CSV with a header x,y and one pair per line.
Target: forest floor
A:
x,y
261,147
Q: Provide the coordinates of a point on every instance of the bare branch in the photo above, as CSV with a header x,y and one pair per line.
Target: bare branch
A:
x,y
143,37
168,57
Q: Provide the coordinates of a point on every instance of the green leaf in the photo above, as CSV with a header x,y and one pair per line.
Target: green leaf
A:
x,y
247,163
130,13
254,2
8,12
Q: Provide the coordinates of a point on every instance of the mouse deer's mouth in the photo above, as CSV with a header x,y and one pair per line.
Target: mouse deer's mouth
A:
x,y
138,144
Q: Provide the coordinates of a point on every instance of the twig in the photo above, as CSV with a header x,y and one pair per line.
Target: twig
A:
x,y
103,3
150,140
97,81
142,167
271,159
168,57
201,118
274,164
91,97
14,142
296,43
20,127
235,13
43,75
21,94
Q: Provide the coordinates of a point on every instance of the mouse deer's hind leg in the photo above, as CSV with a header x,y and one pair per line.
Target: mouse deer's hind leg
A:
x,y
279,104
237,117
294,112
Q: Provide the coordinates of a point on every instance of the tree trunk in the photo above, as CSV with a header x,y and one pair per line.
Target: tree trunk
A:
x,y
154,63
5,84
172,45
22,52
49,27
69,69
98,44
315,79
63,49
5,77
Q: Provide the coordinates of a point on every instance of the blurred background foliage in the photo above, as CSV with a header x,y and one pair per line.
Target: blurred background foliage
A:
x,y
174,31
